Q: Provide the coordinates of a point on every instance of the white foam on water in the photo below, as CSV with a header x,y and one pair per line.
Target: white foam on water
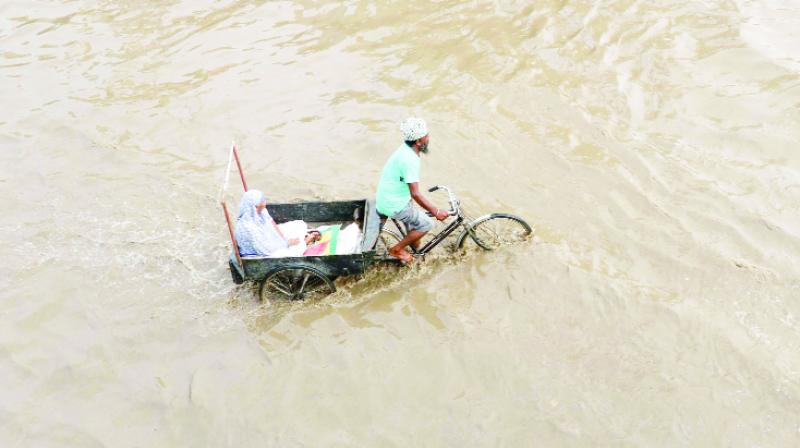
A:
x,y
772,27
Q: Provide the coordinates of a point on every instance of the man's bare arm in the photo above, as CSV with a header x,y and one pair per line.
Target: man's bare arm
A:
x,y
440,214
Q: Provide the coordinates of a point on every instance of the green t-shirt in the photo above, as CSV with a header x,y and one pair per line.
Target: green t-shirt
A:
x,y
401,169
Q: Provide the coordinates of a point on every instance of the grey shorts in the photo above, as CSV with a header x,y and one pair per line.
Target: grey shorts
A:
x,y
414,218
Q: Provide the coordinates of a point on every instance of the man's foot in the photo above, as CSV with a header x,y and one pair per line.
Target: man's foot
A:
x,y
404,256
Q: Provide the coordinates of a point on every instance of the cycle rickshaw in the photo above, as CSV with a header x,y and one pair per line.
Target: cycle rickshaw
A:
x,y
298,278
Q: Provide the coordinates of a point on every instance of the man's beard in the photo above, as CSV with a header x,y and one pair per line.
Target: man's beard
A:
x,y
423,148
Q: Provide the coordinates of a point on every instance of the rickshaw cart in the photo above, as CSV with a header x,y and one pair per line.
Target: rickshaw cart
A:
x,y
309,276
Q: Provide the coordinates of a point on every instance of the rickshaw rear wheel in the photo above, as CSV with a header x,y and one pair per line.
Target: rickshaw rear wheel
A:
x,y
296,283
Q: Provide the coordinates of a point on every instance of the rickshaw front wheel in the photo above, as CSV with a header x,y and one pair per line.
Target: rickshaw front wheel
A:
x,y
493,231
296,283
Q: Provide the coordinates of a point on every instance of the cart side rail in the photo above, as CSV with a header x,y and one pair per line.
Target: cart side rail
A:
x,y
257,268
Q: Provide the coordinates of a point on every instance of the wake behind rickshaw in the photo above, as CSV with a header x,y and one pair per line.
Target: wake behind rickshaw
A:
x,y
313,276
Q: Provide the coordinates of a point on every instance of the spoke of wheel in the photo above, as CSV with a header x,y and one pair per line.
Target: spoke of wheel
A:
x,y
286,287
488,236
503,235
492,230
508,231
280,289
317,285
303,285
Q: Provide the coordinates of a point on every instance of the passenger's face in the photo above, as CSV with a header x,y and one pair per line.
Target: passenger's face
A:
x,y
260,207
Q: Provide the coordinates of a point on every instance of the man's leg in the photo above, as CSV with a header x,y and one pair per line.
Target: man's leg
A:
x,y
417,242
399,250
417,225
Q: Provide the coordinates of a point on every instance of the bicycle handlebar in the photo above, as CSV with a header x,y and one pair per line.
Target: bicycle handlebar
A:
x,y
454,206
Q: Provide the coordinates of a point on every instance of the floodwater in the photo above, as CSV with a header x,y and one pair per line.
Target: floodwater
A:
x,y
654,145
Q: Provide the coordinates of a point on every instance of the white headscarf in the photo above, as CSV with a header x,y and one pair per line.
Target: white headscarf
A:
x,y
247,207
413,128
255,232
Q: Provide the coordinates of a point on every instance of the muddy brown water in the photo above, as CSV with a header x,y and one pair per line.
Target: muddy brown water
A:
x,y
654,145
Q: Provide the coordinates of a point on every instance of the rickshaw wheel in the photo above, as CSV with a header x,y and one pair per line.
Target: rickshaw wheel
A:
x,y
496,230
296,283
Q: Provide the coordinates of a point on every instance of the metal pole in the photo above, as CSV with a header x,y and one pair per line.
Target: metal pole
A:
x,y
230,230
239,165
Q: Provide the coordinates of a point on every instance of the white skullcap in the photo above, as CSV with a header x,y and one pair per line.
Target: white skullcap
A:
x,y
413,128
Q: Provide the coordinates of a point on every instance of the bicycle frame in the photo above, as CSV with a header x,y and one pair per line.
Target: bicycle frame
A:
x,y
437,239
455,210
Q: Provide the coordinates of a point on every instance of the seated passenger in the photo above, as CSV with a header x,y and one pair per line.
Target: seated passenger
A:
x,y
256,232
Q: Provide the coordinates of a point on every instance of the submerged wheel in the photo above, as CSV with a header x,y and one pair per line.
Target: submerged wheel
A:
x,y
496,230
296,283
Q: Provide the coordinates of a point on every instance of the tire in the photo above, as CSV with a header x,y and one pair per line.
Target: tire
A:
x,y
296,283
496,230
